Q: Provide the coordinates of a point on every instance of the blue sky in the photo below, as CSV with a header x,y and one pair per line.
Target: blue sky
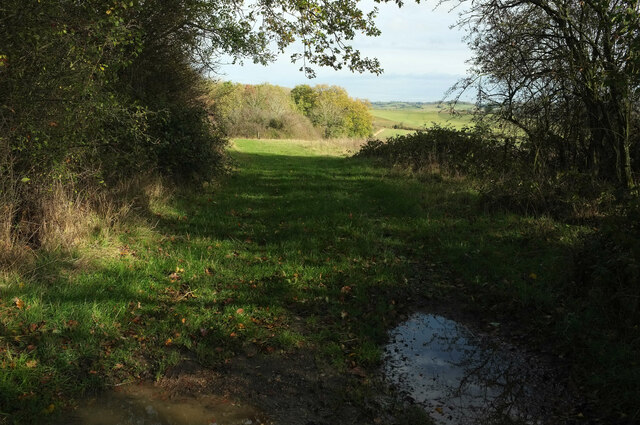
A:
x,y
421,55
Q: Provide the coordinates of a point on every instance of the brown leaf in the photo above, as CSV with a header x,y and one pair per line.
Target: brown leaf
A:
x,y
18,303
31,363
358,372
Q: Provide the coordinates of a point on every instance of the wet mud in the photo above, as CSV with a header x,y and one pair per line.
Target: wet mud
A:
x,y
147,404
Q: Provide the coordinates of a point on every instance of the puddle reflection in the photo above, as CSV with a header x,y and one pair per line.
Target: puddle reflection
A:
x,y
459,379
147,405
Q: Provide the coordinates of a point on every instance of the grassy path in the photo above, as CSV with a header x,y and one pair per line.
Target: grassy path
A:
x,y
295,251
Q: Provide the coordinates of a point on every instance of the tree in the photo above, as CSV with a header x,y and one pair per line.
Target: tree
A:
x,y
331,109
304,97
567,73
96,91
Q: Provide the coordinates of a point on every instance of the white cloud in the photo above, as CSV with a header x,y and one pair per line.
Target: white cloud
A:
x,y
421,55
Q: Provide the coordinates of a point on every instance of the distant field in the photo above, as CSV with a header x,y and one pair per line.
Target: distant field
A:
x,y
417,118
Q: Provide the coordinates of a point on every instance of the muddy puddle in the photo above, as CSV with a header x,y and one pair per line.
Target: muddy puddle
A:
x,y
462,378
145,404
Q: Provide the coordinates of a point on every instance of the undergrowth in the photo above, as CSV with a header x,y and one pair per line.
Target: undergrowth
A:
x,y
592,308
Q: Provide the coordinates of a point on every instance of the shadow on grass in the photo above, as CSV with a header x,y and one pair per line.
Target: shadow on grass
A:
x,y
290,254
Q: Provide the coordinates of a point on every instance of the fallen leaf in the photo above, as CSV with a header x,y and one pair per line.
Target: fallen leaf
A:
x,y
31,363
240,311
18,303
358,372
439,410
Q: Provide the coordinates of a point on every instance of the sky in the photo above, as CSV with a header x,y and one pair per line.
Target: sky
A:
x,y
421,56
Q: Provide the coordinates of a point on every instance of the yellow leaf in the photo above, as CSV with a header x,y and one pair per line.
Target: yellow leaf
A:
x,y
533,276
31,363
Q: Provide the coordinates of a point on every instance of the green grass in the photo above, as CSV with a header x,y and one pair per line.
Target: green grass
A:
x,y
298,231
419,118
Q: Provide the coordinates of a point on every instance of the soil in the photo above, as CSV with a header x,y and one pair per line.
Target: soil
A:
x,y
291,389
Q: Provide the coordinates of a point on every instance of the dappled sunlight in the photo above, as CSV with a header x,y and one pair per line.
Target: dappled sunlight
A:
x,y
292,253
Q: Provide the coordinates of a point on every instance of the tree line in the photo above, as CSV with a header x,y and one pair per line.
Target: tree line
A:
x,y
304,112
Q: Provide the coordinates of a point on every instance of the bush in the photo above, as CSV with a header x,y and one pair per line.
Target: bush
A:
x,y
89,99
501,170
443,149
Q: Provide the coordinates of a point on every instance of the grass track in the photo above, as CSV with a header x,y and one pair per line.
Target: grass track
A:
x,y
295,250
